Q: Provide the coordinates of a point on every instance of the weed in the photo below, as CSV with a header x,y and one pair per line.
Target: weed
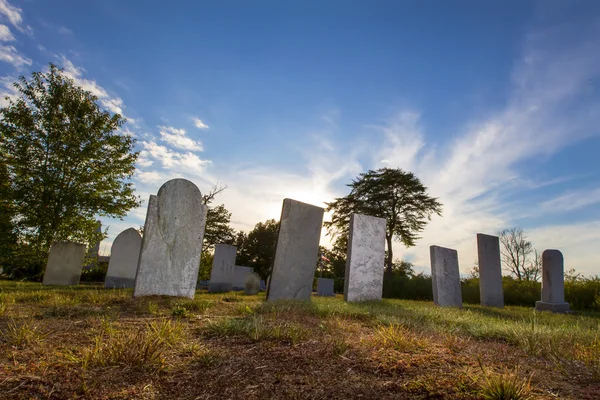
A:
x,y
3,308
340,346
23,333
153,307
397,337
180,312
167,331
505,386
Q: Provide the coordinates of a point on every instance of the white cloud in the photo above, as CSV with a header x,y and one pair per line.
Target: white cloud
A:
x,y
199,123
5,34
63,30
7,89
10,55
571,201
13,14
177,138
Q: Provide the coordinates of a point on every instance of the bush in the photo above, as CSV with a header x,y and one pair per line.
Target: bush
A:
x,y
416,287
95,274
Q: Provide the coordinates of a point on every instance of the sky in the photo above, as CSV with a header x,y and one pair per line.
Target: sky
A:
x,y
495,106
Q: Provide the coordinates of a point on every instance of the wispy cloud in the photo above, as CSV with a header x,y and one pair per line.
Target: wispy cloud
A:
x,y
14,16
10,55
177,138
573,200
5,34
198,123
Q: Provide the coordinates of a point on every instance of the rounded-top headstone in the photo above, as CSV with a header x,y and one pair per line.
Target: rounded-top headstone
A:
x,y
124,255
252,284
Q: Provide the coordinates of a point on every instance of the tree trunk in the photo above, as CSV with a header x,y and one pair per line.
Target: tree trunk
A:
x,y
390,258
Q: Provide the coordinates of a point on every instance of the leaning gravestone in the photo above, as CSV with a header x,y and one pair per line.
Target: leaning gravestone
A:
x,y
124,256
490,271
445,277
239,277
252,284
325,287
65,263
221,274
553,283
365,261
173,234
296,252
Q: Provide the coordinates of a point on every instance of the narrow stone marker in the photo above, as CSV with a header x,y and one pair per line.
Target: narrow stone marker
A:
x,y
252,284
65,263
365,261
173,233
296,252
124,256
325,287
221,274
445,277
239,277
553,283
490,271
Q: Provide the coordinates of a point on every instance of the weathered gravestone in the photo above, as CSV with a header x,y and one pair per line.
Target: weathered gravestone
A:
x,y
239,277
252,284
65,263
325,287
365,260
124,256
490,271
553,283
296,252
221,274
173,234
445,277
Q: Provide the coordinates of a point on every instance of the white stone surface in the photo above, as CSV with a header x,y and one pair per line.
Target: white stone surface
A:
x,y
221,274
252,284
240,274
490,271
172,242
365,261
124,256
553,283
445,277
296,252
65,263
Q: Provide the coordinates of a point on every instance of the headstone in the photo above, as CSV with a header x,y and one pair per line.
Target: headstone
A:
x,y
365,260
124,256
252,284
65,263
490,271
553,283
263,285
221,274
93,252
239,277
445,277
325,287
172,242
296,252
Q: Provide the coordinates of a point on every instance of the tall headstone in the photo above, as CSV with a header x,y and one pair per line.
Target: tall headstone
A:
x,y
490,271
239,277
124,256
365,260
553,283
252,284
172,242
65,263
325,287
445,277
296,252
221,274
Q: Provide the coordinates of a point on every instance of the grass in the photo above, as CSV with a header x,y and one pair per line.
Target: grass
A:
x,y
91,342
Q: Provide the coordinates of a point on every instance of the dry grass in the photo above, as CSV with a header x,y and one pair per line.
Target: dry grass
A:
x,y
88,342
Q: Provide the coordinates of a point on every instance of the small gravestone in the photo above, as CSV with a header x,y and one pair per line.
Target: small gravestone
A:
x,y
296,252
172,242
490,271
65,263
263,285
252,284
124,256
221,274
553,283
239,277
325,287
445,277
365,261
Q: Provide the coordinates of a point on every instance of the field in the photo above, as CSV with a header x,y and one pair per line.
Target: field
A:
x,y
88,342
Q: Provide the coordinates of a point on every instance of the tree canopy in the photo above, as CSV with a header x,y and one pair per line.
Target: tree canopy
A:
x,y
66,160
393,194
257,248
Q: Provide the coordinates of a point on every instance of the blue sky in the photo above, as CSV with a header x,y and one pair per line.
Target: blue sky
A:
x,y
494,105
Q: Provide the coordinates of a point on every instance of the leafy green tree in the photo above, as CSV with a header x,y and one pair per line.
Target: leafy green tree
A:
x,y
257,249
393,194
217,228
7,231
67,161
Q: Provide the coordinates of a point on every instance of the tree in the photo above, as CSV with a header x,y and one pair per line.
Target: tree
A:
x,y
217,228
518,255
257,249
66,160
393,194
